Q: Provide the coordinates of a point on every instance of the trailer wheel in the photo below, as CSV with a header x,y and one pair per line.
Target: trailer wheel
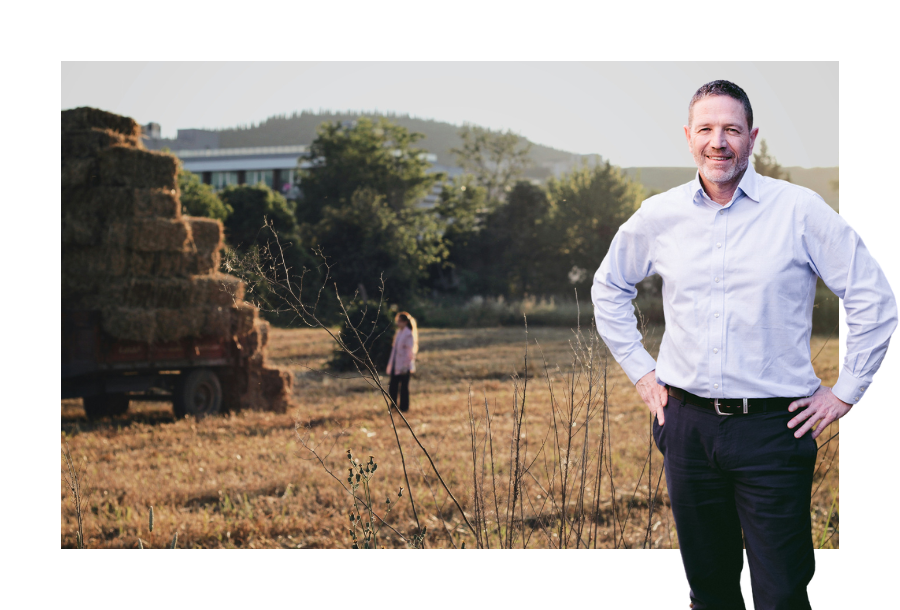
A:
x,y
198,393
105,405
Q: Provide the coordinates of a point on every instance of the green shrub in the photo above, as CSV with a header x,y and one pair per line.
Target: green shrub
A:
x,y
374,334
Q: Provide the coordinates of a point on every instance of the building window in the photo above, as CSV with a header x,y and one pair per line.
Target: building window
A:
x,y
220,180
265,176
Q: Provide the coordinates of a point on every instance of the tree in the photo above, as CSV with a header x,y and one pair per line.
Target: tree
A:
x,y
588,205
766,165
245,231
366,240
495,158
198,199
376,156
251,206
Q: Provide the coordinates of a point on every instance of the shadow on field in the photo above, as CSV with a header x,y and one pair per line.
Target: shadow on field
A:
x,y
74,421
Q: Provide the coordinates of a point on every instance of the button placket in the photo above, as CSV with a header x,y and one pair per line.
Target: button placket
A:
x,y
717,324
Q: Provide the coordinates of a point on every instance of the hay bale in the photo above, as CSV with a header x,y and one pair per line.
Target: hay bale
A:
x,y
203,264
148,293
218,321
243,318
254,342
81,229
267,388
218,289
207,233
80,172
129,323
89,118
176,324
82,264
121,203
89,142
163,203
159,235
123,166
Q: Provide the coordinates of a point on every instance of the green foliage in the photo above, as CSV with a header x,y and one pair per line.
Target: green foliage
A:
x,y
267,265
766,165
366,242
250,206
378,156
540,241
198,199
588,206
372,332
496,159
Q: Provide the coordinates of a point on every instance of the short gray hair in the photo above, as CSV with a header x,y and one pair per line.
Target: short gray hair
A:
x,y
722,87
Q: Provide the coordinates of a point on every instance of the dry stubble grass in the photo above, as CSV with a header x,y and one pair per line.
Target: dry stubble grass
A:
x,y
245,480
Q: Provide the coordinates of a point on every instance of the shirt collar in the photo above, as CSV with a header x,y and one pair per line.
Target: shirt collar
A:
x,y
748,185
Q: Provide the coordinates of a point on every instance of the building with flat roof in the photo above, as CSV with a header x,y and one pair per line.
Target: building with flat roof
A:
x,y
274,166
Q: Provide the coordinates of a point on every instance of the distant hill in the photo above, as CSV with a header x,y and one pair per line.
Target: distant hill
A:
x,y
440,137
818,179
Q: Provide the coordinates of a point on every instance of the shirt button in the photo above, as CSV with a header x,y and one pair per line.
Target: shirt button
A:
x,y
721,211
717,280
862,389
716,386
717,314
718,244
715,350
857,398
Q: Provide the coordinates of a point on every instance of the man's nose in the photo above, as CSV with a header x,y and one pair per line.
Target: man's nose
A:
x,y
718,139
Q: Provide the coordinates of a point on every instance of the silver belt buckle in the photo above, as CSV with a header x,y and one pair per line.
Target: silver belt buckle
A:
x,y
716,405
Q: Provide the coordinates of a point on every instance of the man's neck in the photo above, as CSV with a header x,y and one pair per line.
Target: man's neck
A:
x,y
722,192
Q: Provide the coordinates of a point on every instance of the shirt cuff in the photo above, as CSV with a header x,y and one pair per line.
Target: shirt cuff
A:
x,y
849,388
637,364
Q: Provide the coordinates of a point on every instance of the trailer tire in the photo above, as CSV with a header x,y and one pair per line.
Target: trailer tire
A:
x,y
105,405
198,393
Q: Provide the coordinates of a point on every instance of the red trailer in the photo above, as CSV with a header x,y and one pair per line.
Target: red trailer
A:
x,y
107,373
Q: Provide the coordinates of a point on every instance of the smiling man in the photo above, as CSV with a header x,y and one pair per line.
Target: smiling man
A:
x,y
733,391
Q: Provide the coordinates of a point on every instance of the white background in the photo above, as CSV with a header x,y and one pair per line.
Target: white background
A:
x,y
860,575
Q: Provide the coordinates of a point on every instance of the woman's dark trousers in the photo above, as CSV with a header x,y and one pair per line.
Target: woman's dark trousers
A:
x,y
734,475
401,383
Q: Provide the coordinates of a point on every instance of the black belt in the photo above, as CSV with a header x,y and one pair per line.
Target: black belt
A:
x,y
732,406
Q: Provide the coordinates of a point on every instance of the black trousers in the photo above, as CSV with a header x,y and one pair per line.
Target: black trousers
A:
x,y
400,383
732,474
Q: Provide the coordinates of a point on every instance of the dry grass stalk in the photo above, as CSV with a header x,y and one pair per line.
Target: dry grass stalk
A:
x,y
74,477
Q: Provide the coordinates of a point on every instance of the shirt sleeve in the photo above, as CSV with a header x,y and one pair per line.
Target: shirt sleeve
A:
x,y
627,263
838,255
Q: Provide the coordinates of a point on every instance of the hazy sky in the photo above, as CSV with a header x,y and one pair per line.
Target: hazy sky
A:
x,y
631,113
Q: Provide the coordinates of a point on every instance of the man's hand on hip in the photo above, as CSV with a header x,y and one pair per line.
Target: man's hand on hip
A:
x,y
653,394
823,407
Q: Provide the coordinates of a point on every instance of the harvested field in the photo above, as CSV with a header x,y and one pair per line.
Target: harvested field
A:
x,y
245,479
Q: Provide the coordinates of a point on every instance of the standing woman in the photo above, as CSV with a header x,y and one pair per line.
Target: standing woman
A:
x,y
403,358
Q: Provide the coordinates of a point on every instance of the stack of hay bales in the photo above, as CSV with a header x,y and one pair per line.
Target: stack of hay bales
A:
x,y
128,252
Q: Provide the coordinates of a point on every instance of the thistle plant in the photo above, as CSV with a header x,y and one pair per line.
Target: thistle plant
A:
x,y
363,528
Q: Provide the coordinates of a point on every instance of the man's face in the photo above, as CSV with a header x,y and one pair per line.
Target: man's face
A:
x,y
719,139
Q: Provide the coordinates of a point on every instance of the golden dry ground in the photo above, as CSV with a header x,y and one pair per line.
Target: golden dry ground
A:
x,y
247,480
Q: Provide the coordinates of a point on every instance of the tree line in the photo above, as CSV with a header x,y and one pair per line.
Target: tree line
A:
x,y
491,233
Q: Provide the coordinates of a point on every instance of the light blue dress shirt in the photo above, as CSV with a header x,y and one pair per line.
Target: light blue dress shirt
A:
x,y
739,282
